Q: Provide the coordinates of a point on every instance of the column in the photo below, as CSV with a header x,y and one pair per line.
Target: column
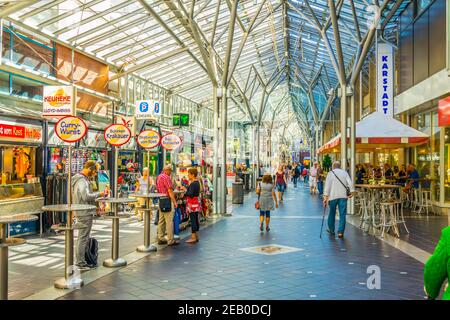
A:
x,y
343,126
223,152
352,147
215,181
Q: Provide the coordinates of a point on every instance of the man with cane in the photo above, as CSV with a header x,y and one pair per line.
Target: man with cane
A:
x,y
338,189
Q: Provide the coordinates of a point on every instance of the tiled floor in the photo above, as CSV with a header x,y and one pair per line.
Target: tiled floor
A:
x,y
217,268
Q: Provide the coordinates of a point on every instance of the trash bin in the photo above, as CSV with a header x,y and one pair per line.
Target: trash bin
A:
x,y
238,193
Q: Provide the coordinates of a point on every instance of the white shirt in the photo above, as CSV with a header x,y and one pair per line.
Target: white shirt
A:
x,y
333,188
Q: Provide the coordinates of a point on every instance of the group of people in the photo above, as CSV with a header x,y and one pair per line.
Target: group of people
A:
x,y
401,175
83,193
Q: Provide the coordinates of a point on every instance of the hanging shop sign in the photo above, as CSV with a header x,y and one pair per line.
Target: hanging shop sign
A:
x,y
444,112
71,129
12,132
148,109
148,139
117,135
130,122
171,142
385,79
58,101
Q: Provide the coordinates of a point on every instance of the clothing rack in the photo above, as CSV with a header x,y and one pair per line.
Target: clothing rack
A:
x,y
56,191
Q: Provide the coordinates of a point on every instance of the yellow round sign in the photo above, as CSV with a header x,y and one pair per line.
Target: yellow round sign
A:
x,y
117,134
71,129
148,139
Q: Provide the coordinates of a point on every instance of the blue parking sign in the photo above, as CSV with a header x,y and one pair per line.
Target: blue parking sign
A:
x,y
143,106
156,109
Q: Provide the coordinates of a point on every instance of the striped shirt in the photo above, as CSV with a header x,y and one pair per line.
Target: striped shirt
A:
x,y
164,183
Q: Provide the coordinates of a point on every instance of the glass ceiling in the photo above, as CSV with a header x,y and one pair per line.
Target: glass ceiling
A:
x,y
286,54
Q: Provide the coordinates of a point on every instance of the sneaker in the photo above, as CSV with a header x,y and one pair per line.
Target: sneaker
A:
x,y
162,242
83,266
331,232
340,235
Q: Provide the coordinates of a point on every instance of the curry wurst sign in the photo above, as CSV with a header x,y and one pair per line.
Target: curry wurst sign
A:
x,y
117,135
71,129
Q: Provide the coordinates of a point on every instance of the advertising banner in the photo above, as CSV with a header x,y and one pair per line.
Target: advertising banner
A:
x,y
58,101
385,79
171,142
117,135
444,112
20,132
148,139
148,109
71,129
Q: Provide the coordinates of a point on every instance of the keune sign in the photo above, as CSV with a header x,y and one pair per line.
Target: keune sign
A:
x,y
58,101
385,79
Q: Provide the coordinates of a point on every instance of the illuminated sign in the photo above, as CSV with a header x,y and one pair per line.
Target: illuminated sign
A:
x,y
58,101
385,79
148,139
444,112
180,120
170,142
71,129
20,133
117,135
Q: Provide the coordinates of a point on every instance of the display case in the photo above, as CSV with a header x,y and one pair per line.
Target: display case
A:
x,y
21,198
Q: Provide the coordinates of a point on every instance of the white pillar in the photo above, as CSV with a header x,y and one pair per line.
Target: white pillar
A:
x,y
343,127
216,187
223,153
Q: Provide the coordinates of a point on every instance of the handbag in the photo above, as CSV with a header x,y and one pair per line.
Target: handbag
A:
x,y
257,205
165,204
349,193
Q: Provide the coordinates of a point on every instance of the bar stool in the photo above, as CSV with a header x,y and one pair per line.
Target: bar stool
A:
x,y
400,219
387,217
425,202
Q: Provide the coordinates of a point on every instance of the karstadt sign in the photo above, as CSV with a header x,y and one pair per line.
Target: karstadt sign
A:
x,y
385,79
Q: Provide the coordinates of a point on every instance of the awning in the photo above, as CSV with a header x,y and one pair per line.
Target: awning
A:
x,y
379,131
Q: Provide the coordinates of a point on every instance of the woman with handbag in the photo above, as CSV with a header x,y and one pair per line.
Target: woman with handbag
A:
x,y
193,206
266,200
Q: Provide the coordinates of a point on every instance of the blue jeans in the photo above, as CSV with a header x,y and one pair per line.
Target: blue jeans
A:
x,y
320,187
342,204
294,179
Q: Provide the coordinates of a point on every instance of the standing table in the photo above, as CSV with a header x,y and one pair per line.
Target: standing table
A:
x,y
115,261
147,246
6,242
67,282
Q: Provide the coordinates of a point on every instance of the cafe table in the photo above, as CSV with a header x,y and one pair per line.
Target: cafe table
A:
x,y
5,243
147,246
115,261
71,278
375,197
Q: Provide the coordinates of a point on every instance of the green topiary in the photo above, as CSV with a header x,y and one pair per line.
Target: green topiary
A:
x,y
327,162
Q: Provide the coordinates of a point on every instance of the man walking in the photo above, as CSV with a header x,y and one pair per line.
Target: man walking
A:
x,y
338,189
165,223
82,193
296,174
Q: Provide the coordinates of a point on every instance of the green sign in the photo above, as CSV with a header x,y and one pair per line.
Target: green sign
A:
x,y
180,120
176,120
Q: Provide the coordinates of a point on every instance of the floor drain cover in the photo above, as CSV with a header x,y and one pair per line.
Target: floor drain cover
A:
x,y
271,249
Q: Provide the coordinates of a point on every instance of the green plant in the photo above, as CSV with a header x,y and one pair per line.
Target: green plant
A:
x,y
327,162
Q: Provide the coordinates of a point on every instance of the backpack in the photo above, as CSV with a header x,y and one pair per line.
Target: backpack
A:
x,y
91,255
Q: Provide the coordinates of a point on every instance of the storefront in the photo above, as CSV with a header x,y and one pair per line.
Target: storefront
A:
x,y
21,171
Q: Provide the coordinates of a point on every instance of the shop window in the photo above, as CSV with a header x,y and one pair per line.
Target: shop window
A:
x,y
17,163
24,87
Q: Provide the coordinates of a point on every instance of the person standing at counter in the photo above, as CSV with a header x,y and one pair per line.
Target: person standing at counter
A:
x,y
83,193
164,185
193,206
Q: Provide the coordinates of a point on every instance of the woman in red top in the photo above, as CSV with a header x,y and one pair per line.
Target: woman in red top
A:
x,y
281,182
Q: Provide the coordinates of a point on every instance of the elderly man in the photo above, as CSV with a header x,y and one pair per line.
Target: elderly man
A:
x,y
165,223
338,188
